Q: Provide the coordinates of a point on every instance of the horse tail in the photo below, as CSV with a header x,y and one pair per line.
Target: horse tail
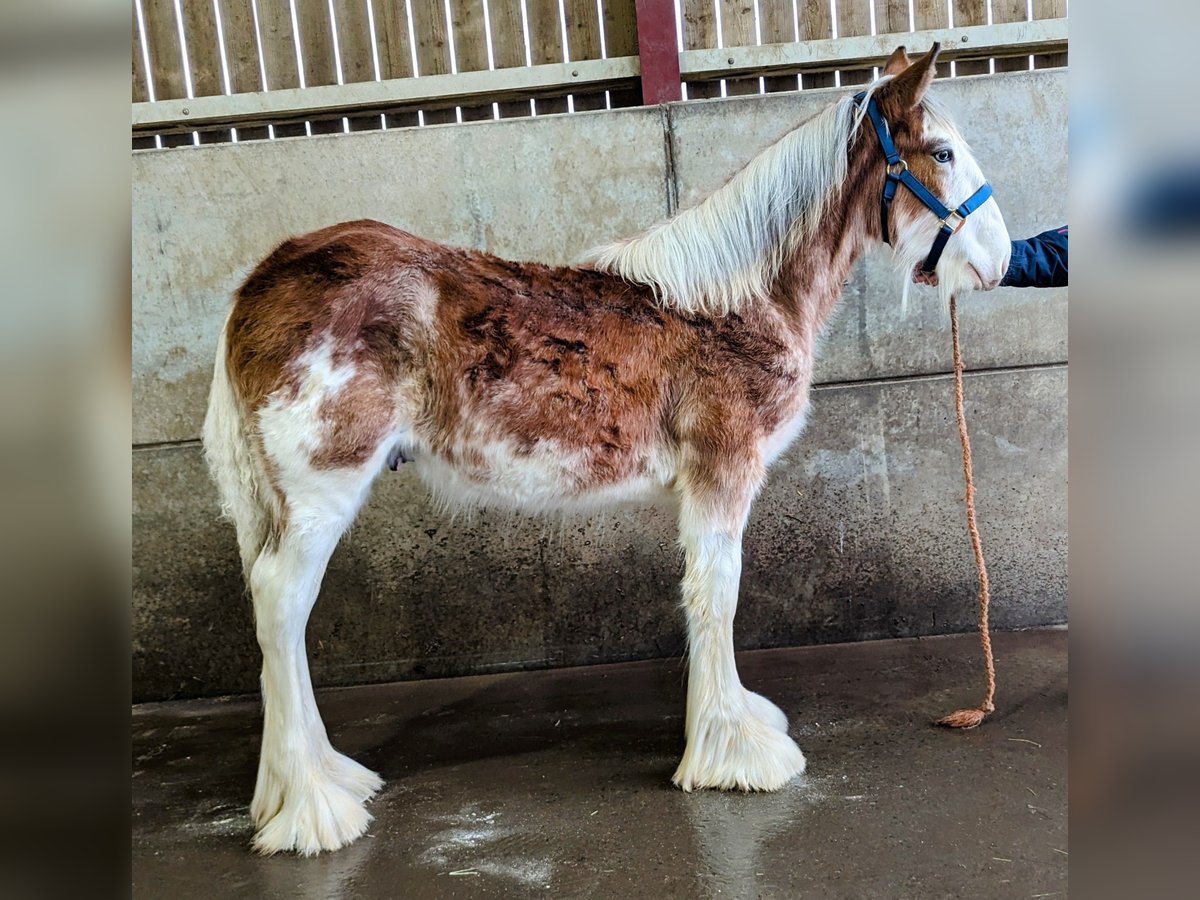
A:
x,y
246,495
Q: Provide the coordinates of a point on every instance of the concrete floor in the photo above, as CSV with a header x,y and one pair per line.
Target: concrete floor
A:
x,y
556,783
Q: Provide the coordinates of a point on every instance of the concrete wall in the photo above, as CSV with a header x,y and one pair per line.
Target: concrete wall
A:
x,y
859,533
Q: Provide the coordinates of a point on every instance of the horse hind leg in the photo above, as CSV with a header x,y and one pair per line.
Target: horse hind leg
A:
x,y
308,797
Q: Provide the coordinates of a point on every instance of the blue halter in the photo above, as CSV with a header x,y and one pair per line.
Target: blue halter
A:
x,y
898,174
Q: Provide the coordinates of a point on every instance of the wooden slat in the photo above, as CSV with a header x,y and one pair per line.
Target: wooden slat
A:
x,y
216,135
700,33
1049,60
778,26
927,15
316,46
354,45
737,30
279,54
583,29
354,41
278,44
140,93
508,47
316,42
1010,11
203,48
1049,9
166,57
508,40
854,20
470,37
891,16
545,46
699,25
970,12
583,41
241,55
621,37
816,24
395,51
204,57
433,48
391,33
241,48
470,47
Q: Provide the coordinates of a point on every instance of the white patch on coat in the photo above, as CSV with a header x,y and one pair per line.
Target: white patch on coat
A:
x,y
292,431
546,478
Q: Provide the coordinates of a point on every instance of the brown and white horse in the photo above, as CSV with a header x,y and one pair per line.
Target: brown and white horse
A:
x,y
670,367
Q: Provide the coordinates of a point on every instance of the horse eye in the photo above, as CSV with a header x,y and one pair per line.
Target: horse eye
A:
x,y
944,156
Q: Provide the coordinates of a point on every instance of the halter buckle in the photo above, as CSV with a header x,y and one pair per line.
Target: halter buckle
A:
x,y
897,168
949,222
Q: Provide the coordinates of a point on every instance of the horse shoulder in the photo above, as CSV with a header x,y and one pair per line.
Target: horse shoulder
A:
x,y
750,387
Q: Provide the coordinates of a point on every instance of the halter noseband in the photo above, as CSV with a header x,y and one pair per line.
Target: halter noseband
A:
x,y
897,174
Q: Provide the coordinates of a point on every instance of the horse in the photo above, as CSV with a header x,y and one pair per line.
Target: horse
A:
x,y
672,367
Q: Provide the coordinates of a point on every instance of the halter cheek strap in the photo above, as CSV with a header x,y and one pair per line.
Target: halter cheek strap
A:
x,y
898,174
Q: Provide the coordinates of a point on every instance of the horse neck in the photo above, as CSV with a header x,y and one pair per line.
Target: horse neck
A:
x,y
810,281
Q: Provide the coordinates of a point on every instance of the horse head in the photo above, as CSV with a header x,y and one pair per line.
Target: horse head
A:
x,y
975,247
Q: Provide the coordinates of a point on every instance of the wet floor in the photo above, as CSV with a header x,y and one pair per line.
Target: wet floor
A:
x,y
558,784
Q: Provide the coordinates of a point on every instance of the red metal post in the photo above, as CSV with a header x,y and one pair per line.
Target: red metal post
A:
x,y
658,51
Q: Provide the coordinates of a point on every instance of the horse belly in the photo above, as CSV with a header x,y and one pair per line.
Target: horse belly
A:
x,y
543,478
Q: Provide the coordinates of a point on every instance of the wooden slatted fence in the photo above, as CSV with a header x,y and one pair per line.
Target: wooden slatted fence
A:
x,y
221,70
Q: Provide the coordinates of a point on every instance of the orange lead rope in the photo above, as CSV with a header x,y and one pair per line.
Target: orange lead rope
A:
x,y
969,718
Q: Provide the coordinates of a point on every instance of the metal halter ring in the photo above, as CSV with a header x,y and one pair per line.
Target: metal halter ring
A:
x,y
896,172
954,214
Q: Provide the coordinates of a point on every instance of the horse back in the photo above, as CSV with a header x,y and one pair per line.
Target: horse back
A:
x,y
485,366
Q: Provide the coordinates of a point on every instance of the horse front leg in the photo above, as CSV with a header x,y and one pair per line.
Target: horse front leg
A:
x,y
735,738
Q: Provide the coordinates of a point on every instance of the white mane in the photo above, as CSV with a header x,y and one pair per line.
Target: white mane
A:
x,y
727,249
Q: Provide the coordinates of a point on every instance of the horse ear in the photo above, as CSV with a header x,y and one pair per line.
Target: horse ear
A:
x,y
907,89
897,62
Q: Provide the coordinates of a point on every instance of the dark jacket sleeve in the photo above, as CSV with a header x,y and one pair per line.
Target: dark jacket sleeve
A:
x,y
1040,261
